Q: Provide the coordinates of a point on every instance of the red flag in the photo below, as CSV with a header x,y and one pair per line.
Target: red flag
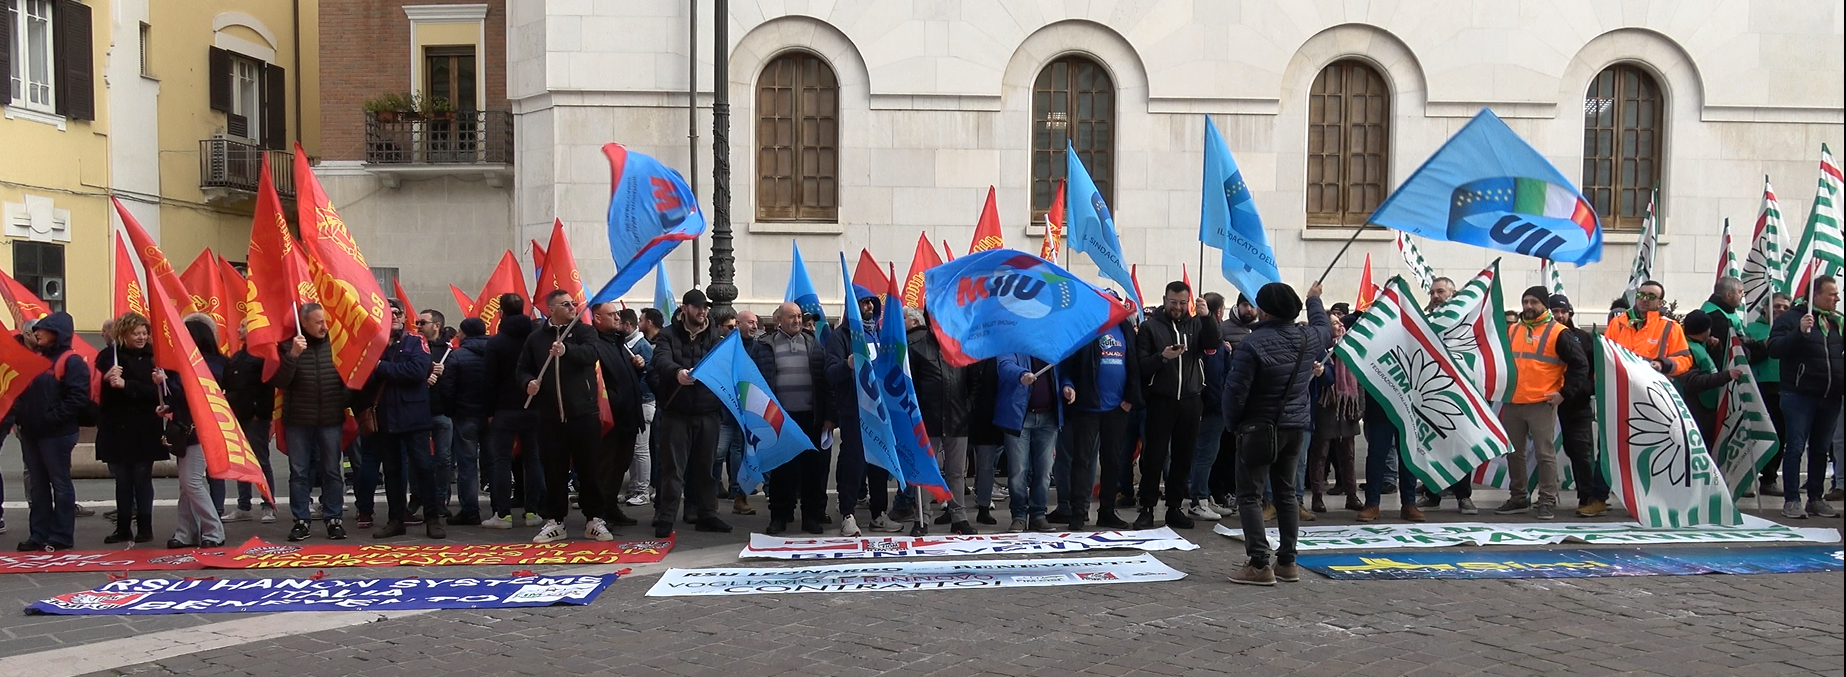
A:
x,y
1186,277
25,305
236,302
507,279
18,366
539,256
1134,275
1054,227
868,274
923,260
559,270
278,282
403,299
129,296
987,233
356,322
462,300
205,283
947,252
1368,292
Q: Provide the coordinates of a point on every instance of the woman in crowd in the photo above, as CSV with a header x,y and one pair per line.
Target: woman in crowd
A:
x,y
128,438
1339,404
199,524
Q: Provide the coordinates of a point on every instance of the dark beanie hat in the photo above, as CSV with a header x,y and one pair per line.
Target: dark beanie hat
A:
x,y
1696,322
1349,320
1536,291
1279,300
473,326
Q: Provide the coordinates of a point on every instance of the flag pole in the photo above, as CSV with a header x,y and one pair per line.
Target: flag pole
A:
x,y
550,359
1336,257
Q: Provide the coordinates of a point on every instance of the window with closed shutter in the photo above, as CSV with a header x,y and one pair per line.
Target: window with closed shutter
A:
x,y
1349,144
797,140
1073,101
1622,144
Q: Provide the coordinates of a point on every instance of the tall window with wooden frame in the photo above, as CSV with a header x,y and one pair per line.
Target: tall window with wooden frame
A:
x,y
797,140
46,59
1622,144
1349,143
1073,102
252,94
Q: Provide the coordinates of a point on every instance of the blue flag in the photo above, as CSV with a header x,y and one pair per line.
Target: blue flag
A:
x,y
1006,301
1228,220
914,451
801,292
874,423
663,292
1091,228
771,438
1489,188
651,211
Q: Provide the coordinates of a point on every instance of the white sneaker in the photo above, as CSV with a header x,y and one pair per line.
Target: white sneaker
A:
x,y
1222,509
239,515
637,498
498,522
269,516
532,519
1001,493
553,531
1201,510
596,530
882,523
849,526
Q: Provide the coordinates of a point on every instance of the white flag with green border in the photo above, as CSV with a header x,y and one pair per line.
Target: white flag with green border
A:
x,y
1763,272
1727,258
1550,277
1645,250
1473,327
1413,259
1445,427
1820,250
1651,449
1746,439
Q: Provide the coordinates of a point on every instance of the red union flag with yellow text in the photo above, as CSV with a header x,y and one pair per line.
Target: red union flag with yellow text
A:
x,y
356,308
130,296
278,277
558,268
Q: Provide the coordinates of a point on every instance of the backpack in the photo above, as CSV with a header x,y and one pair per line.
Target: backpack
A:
x,y
90,414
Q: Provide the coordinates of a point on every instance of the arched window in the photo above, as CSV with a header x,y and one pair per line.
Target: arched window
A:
x,y
797,140
1073,100
1622,142
1349,143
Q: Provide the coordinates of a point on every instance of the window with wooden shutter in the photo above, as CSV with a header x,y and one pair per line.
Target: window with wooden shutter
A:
x,y
797,140
1349,144
218,73
1622,144
275,108
1073,101
8,88
75,62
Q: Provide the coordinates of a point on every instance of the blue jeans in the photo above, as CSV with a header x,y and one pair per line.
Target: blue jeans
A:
x,y
53,516
984,458
1810,423
441,439
1028,461
731,456
257,431
1380,448
1211,433
311,448
465,452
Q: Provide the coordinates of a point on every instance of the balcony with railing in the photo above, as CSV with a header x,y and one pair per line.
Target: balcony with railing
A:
x,y
439,144
229,169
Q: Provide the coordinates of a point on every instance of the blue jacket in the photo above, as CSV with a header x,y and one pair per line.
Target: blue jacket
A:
x,y
1217,368
48,408
466,372
1010,401
400,386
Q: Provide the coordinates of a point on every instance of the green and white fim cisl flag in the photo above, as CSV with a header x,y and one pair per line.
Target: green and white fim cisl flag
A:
x,y
1444,424
1651,450
1746,438
1473,327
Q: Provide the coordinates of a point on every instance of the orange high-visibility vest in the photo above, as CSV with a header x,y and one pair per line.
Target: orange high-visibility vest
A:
x,y
1659,339
1535,356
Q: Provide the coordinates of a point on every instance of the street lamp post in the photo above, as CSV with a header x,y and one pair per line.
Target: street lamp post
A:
x,y
723,289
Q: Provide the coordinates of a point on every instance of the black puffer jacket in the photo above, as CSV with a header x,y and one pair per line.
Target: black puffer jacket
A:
x,y
502,357
942,388
250,397
676,349
1814,361
574,372
312,392
129,429
1262,367
470,394
621,380
1233,330
1183,376
1580,401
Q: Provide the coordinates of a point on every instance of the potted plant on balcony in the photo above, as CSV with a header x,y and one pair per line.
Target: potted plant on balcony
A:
x,y
391,106
439,108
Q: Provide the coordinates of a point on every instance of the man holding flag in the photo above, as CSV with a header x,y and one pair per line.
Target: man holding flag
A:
x,y
688,418
558,367
46,416
1808,338
313,411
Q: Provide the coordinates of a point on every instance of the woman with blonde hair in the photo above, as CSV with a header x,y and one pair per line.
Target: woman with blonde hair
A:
x,y
128,437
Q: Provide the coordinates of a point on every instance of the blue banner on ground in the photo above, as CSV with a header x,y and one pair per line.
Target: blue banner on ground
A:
x,y
193,596
1573,563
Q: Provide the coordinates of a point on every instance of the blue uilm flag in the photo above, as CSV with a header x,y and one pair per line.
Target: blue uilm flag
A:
x,y
801,292
1228,220
771,438
1489,188
651,211
914,451
874,423
1091,228
663,292
1007,301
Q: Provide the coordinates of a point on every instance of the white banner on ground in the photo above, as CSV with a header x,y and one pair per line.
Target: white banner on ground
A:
x,y
911,576
839,547
1382,536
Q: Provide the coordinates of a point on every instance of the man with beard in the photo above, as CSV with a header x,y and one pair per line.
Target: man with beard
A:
x,y
688,418
1172,347
558,366
1551,369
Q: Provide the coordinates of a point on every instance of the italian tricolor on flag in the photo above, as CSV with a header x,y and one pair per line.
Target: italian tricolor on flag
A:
x,y
1821,250
1474,329
1651,449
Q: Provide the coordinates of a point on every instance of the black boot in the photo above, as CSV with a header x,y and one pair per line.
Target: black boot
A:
x,y
1145,520
120,534
1106,518
985,516
144,528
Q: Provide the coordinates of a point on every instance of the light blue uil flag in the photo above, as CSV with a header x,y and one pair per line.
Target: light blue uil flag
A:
x,y
874,423
1489,188
1091,227
663,292
771,438
1228,220
801,293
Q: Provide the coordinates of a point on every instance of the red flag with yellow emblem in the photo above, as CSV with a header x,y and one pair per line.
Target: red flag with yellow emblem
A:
x,y
507,279
236,302
559,268
987,233
278,278
130,293
924,259
209,296
356,309
18,366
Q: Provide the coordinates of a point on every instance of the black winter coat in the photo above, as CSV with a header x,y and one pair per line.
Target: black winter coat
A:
x,y
676,349
1262,367
621,380
502,357
181,411
471,395
442,392
1079,371
574,372
48,408
129,429
1183,376
400,386
1814,361
1580,400
313,394
250,397
942,388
